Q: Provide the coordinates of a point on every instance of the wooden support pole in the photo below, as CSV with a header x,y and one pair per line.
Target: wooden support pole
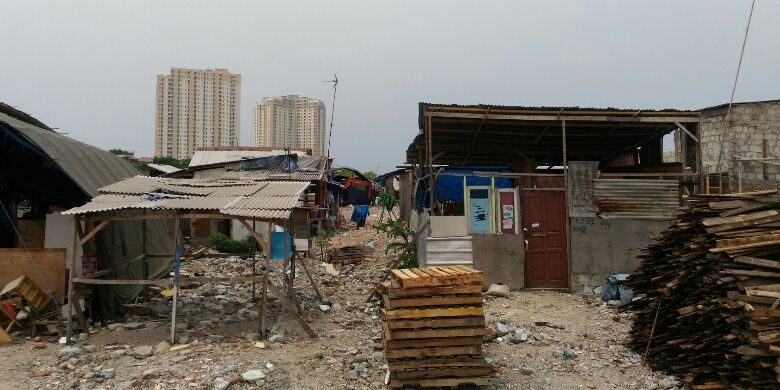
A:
x,y
264,296
566,200
92,232
71,295
279,294
311,279
176,265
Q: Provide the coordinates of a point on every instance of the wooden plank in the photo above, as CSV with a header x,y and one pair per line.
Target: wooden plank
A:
x,y
406,364
758,262
428,313
745,272
439,382
456,372
435,290
739,218
439,332
741,242
469,278
436,323
15,262
434,301
432,342
435,351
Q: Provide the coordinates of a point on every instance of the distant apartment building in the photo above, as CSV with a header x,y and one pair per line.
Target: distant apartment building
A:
x,y
290,121
196,108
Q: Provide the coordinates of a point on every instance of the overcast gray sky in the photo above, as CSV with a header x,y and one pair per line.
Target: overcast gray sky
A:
x,y
89,67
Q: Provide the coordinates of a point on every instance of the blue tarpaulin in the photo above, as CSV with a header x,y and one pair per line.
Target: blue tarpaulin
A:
x,y
451,187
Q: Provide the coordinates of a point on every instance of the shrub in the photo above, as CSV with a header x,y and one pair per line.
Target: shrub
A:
x,y
223,243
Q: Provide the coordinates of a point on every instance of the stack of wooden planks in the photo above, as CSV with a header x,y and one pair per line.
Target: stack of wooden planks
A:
x,y
433,326
350,254
710,292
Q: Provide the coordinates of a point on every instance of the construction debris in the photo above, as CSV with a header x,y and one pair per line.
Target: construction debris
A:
x,y
23,303
711,289
350,254
433,326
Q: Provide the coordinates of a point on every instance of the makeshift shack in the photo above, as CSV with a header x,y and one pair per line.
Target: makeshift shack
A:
x,y
544,197
42,173
146,199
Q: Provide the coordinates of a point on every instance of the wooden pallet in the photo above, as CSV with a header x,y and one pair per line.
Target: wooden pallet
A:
x,y
350,254
433,327
439,382
436,276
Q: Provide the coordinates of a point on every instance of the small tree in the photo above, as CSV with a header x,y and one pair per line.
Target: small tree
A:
x,y
323,241
120,152
181,164
371,175
402,243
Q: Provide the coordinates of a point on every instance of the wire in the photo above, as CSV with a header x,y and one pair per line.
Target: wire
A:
x,y
30,258
734,87
335,82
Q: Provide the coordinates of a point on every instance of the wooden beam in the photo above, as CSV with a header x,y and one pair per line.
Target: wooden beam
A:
x,y
693,137
288,306
173,216
476,134
92,232
580,118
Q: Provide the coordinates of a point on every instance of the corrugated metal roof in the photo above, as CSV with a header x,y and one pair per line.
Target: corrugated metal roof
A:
x,y
88,166
208,157
163,168
636,198
274,175
266,199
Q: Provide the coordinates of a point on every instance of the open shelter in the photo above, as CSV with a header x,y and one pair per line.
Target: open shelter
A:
x,y
143,198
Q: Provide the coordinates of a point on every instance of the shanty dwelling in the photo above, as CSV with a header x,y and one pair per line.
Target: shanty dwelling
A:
x,y
44,173
741,146
544,197
148,199
285,165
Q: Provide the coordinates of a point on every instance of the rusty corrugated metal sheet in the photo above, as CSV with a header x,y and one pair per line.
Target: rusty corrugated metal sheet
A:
x,y
636,198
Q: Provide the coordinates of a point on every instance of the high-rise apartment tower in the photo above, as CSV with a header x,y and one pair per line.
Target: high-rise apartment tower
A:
x,y
290,121
196,108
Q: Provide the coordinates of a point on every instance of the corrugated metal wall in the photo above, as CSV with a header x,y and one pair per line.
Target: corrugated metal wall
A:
x,y
636,198
442,251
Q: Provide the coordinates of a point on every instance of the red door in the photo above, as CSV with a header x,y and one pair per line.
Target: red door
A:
x,y
544,225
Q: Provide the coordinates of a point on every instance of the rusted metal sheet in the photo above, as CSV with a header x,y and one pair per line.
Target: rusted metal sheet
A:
x,y
636,198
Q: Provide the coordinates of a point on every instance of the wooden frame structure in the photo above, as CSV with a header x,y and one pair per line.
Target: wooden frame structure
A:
x,y
287,300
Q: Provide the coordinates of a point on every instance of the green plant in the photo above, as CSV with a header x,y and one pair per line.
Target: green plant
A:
x,y
223,243
323,241
181,164
402,243
120,152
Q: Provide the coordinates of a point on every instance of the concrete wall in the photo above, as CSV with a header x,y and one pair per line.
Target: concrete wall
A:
x,y
600,247
501,257
753,125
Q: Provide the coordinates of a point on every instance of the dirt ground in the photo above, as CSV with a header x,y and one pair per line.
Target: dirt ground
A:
x,y
543,339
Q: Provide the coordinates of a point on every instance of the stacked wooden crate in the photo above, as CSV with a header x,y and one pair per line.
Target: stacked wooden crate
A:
x,y
433,326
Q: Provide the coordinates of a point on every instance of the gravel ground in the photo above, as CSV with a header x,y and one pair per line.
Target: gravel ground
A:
x,y
541,340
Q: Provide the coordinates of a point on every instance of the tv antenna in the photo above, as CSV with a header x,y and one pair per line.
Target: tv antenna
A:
x,y
335,83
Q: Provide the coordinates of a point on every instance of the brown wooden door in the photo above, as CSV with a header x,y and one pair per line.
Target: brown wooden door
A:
x,y
544,224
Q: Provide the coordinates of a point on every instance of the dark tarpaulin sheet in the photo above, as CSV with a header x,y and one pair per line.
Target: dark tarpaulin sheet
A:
x,y
285,162
122,241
